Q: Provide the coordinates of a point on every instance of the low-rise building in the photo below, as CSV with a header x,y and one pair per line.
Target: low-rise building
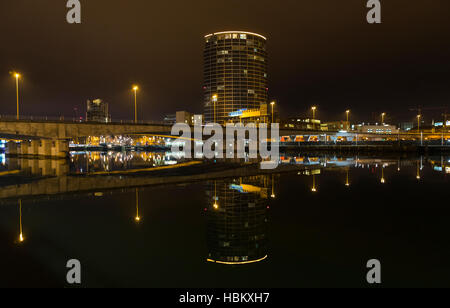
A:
x,y
97,111
338,126
170,119
377,129
301,123
406,126
185,117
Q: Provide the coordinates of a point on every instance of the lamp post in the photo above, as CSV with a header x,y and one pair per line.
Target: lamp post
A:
x,y
214,99
17,76
272,104
135,89
314,108
348,119
418,122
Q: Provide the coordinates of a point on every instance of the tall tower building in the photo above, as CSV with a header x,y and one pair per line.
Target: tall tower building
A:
x,y
235,75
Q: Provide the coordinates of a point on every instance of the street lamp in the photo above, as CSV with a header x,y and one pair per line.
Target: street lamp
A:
x,y
383,115
272,104
348,118
314,112
135,89
418,122
215,99
17,76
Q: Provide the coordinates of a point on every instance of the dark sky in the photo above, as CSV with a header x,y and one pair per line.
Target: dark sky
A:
x,y
322,52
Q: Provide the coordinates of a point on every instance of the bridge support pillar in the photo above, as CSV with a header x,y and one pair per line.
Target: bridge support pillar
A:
x,y
23,148
45,148
33,147
60,148
11,148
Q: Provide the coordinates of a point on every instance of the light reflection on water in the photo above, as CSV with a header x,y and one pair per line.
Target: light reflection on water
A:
x,y
83,162
319,224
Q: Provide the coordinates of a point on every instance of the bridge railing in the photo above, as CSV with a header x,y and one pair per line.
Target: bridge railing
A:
x,y
63,119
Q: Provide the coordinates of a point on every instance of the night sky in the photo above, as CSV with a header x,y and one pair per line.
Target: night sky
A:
x,y
322,52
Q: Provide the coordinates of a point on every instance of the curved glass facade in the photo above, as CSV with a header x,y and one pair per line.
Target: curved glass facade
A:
x,y
235,74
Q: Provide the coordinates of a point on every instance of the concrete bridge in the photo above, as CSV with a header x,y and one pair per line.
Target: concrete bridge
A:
x,y
54,130
51,138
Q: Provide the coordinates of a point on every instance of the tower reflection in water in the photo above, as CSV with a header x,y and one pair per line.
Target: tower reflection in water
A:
x,y
237,219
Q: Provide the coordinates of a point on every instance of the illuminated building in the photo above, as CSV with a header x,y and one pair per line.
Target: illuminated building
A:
x,y
306,124
338,126
237,220
235,76
377,129
97,111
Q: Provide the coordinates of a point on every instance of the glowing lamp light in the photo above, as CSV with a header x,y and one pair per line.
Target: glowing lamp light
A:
x,y
216,206
21,238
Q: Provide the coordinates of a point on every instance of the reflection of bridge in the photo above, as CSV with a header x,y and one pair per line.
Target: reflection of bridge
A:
x,y
53,178
50,138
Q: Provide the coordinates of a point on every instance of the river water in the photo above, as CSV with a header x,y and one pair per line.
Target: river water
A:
x,y
315,226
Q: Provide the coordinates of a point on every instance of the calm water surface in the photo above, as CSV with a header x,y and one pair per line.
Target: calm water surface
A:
x,y
307,228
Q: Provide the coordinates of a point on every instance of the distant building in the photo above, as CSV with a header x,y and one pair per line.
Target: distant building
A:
x,y
198,119
97,111
257,115
377,129
306,124
170,119
338,126
185,117
406,126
